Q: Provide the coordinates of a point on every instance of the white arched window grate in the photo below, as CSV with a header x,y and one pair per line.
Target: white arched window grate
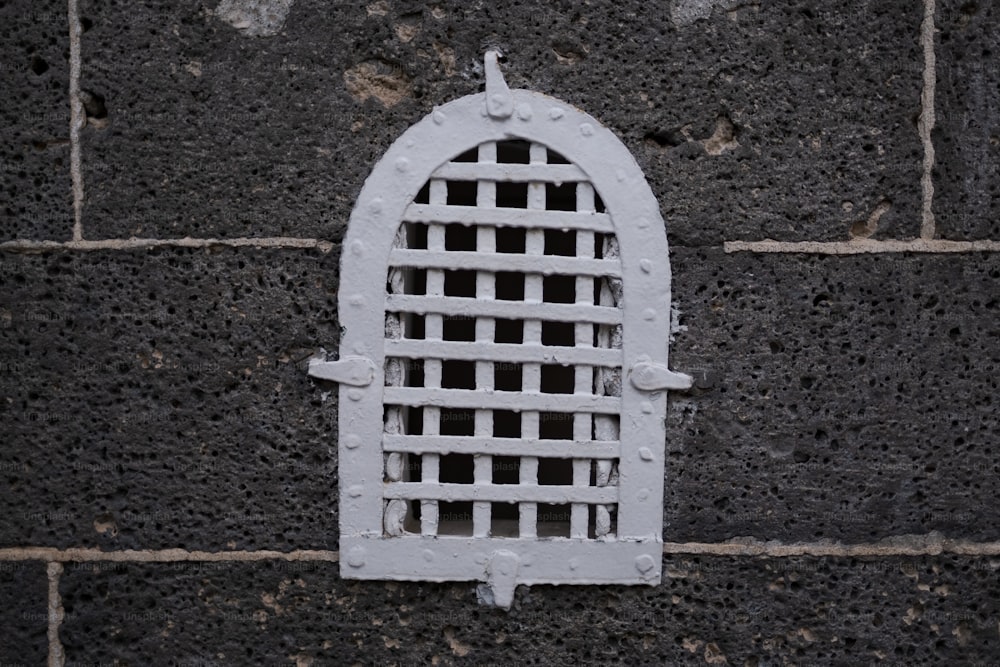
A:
x,y
492,303
503,352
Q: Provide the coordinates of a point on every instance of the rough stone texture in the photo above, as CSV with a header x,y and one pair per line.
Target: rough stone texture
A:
x,y
686,12
913,611
848,398
259,18
35,190
213,132
811,108
24,613
967,133
157,399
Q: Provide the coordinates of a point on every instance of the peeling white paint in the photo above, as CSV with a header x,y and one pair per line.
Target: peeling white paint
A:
x,y
256,18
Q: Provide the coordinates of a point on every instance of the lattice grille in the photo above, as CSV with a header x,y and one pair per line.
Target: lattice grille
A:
x,y
503,352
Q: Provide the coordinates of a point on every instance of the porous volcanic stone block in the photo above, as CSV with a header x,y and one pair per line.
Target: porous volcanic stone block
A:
x,y
24,614
967,127
849,398
782,121
35,189
709,610
788,121
156,399
211,131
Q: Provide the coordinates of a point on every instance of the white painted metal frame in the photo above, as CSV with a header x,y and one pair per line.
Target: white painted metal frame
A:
x,y
632,555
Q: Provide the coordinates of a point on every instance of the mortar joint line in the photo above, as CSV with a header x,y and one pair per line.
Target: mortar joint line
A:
x,y
176,555
927,119
26,246
853,247
55,614
862,246
930,544
76,117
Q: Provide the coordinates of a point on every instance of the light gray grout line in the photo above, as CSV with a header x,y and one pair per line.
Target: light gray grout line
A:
x,y
927,118
83,554
187,242
930,544
862,246
55,615
76,118
855,247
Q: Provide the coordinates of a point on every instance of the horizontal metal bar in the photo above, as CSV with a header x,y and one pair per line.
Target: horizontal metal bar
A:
x,y
509,217
501,400
479,261
510,310
460,558
451,444
502,493
503,352
510,173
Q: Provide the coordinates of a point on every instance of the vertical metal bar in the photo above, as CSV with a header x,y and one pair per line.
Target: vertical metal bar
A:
x,y
605,427
528,512
584,382
486,291
483,474
396,370
429,508
531,373
433,329
579,515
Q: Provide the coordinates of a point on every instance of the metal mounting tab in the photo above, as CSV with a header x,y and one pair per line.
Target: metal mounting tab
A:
x,y
501,572
499,101
355,371
650,376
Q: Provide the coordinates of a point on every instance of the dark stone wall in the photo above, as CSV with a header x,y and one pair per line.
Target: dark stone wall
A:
x,y
968,105
35,191
159,399
24,609
709,610
156,397
837,397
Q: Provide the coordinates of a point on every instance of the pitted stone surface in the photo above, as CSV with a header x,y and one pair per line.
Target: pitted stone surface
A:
x,y
686,12
24,610
35,190
258,18
157,399
709,610
215,133
848,398
967,134
768,121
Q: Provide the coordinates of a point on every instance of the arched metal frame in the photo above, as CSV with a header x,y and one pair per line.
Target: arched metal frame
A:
x,y
634,557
